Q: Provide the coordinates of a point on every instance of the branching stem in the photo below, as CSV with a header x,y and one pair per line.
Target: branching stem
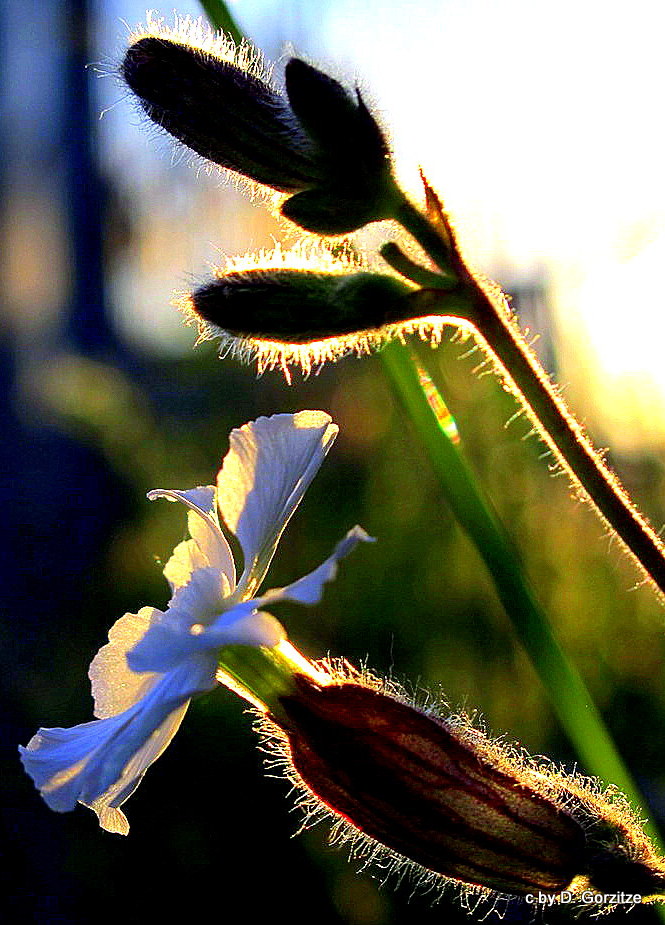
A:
x,y
523,375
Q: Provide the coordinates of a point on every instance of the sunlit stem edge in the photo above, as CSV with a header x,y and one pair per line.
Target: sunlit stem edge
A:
x,y
499,334
525,377
262,676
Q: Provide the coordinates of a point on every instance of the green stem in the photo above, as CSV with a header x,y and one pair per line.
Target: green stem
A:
x,y
220,18
398,260
412,219
566,689
260,675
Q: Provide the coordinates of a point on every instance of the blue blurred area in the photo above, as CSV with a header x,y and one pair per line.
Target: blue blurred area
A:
x,y
97,407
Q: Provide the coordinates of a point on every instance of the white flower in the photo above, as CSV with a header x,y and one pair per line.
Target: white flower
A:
x,y
155,662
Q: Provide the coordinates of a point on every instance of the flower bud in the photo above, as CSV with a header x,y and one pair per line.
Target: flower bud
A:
x,y
308,306
440,794
318,141
357,176
221,111
296,306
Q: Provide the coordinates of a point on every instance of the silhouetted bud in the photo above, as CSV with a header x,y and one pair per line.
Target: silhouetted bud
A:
x,y
321,143
442,795
352,147
297,306
310,305
220,111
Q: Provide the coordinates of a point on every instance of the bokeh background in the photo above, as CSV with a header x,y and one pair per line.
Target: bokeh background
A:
x,y
539,123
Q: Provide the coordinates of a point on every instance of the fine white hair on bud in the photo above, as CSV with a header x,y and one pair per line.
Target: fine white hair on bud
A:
x,y
197,33
329,302
314,141
409,789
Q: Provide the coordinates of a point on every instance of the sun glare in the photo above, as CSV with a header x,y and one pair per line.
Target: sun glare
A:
x,y
617,332
538,124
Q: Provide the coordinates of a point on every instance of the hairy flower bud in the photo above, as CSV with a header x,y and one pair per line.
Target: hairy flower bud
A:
x,y
443,796
352,147
297,306
318,142
308,305
217,109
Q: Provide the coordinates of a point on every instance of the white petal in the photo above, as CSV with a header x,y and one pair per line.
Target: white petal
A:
x,y
112,820
115,687
54,759
199,601
176,634
166,643
148,728
205,531
162,648
101,763
309,589
185,559
106,806
264,475
237,628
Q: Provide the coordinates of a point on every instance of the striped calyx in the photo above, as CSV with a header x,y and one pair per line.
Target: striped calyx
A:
x,y
445,797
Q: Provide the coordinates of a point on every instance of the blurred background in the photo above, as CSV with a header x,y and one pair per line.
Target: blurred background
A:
x,y
539,124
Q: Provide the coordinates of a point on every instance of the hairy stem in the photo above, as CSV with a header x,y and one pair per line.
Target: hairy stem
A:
x,y
499,334
529,382
413,220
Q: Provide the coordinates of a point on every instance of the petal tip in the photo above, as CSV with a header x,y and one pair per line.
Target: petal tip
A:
x,y
111,819
362,535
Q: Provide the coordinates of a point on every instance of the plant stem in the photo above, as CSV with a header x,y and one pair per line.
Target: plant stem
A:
x,y
413,220
263,676
221,18
567,691
499,334
565,436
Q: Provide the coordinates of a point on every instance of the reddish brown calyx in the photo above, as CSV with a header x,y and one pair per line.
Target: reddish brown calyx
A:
x,y
435,794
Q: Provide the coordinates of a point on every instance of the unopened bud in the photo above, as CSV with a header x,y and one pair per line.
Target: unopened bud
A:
x,y
357,185
282,316
442,795
220,111
318,142
296,306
